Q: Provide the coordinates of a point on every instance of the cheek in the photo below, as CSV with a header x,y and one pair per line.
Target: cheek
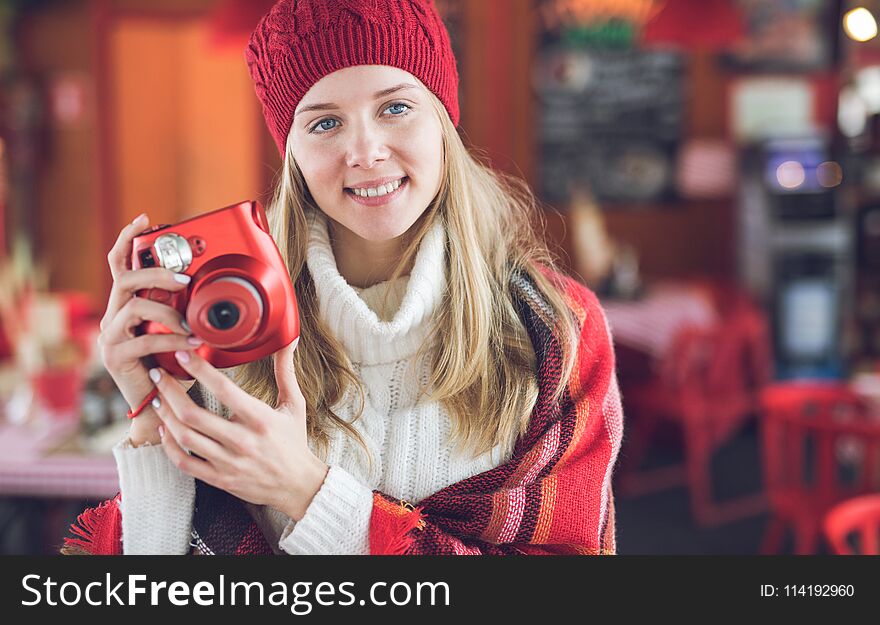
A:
x,y
426,152
316,169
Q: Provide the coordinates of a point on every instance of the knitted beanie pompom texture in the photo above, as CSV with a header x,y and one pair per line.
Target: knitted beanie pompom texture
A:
x,y
300,41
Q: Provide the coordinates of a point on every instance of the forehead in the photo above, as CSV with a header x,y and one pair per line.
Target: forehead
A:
x,y
356,83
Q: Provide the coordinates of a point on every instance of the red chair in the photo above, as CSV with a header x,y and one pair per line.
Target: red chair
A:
x,y
709,385
858,516
820,446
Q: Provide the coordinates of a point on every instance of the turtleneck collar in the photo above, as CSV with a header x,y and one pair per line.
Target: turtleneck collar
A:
x,y
366,338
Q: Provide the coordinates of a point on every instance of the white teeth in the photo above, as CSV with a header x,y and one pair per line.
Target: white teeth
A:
x,y
379,191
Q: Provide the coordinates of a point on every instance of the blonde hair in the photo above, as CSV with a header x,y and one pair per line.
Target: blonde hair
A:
x,y
484,368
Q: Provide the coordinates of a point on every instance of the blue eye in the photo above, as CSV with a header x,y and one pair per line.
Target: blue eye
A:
x,y
398,109
399,112
321,125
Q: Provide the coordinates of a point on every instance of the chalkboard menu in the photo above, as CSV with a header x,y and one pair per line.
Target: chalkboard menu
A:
x,y
610,120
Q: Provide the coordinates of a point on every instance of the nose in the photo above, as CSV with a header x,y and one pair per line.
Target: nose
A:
x,y
367,146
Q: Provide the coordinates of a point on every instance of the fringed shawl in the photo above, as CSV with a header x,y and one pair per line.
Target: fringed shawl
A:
x,y
552,497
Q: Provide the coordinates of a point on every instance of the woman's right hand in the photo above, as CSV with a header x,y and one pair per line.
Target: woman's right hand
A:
x,y
121,350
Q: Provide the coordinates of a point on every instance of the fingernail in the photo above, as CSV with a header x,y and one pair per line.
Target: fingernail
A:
x,y
185,326
296,343
161,431
182,356
139,219
194,340
156,403
182,278
155,375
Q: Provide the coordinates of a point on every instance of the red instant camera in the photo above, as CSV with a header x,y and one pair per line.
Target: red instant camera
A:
x,y
240,300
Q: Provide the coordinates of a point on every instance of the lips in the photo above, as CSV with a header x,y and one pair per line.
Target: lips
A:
x,y
388,187
376,199
377,182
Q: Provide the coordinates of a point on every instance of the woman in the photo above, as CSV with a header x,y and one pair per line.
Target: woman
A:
x,y
442,360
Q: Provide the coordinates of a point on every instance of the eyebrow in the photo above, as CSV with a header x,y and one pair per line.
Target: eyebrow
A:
x,y
324,106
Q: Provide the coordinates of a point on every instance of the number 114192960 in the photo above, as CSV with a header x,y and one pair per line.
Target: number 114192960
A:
x,y
808,590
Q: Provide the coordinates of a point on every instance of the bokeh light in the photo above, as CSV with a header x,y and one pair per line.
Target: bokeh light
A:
x,y
790,175
830,174
860,24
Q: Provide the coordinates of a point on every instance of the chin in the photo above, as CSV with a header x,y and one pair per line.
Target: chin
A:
x,y
376,233
378,230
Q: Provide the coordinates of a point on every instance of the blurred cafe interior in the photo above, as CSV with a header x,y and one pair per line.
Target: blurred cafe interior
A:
x,y
710,169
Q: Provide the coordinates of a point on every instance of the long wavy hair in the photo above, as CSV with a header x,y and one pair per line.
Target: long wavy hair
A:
x,y
484,368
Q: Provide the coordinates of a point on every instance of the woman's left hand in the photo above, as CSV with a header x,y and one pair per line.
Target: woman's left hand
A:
x,y
261,454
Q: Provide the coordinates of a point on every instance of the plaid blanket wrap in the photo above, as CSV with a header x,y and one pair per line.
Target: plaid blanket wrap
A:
x,y
553,496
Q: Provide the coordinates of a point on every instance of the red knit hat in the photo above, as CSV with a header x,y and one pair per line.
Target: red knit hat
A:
x,y
300,41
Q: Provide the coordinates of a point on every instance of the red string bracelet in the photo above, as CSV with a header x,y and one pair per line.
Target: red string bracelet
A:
x,y
132,413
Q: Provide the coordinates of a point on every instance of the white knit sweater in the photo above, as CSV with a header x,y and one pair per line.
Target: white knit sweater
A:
x,y
407,435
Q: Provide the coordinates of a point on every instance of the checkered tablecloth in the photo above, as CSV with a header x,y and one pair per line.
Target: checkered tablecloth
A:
x,y
651,323
30,467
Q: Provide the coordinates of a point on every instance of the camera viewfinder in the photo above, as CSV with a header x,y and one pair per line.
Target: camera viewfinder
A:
x,y
147,259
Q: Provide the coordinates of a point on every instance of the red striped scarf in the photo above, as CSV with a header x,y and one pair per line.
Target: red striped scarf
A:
x,y
552,497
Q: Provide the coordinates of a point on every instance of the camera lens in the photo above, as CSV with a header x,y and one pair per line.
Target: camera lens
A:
x,y
223,315
226,311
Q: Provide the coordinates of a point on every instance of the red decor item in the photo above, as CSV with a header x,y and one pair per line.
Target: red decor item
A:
x,y
81,311
820,446
83,320
6,350
709,385
240,299
133,412
58,392
708,25
861,516
298,43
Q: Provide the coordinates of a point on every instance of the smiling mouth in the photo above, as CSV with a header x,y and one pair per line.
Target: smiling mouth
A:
x,y
379,191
